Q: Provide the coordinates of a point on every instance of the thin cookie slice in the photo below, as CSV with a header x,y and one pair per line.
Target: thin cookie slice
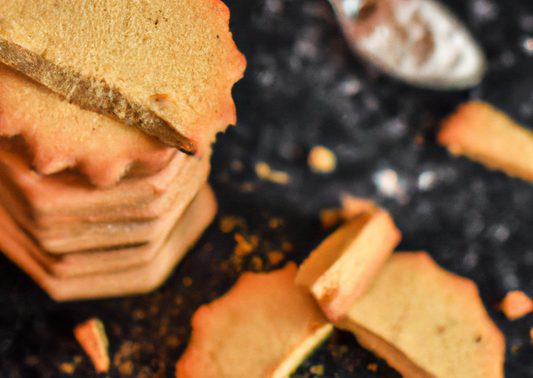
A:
x,y
165,67
68,197
339,269
490,137
93,220
60,135
263,327
18,247
112,255
92,337
426,322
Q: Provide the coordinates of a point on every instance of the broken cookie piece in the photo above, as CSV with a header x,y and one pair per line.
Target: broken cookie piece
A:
x,y
338,270
516,304
426,322
490,137
91,336
263,327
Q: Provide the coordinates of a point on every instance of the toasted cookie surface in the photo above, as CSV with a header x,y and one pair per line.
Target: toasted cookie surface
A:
x,y
263,327
338,270
60,135
426,322
166,67
486,135
19,248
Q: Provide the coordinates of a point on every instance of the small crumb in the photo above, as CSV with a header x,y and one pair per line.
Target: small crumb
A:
x,y
228,223
243,246
67,368
247,187
126,368
275,222
317,369
330,218
280,177
515,348
275,257
322,160
287,247
257,264
92,337
373,367
173,342
264,172
237,165
138,314
516,304
187,281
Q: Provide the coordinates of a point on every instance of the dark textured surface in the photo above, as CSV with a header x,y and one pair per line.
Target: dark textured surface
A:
x,y
302,88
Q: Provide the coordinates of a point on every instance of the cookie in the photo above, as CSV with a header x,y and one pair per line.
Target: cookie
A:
x,y
339,269
426,322
263,327
17,246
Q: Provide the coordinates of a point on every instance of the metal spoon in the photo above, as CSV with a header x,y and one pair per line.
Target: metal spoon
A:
x,y
417,41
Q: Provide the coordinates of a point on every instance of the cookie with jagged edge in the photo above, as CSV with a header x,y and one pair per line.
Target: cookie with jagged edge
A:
x,y
165,67
265,326
61,136
18,247
426,322
488,136
66,214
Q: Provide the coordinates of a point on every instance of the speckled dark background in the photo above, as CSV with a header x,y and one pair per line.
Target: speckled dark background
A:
x,y
303,87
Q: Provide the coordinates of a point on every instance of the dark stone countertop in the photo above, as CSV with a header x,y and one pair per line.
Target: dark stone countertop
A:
x,y
303,87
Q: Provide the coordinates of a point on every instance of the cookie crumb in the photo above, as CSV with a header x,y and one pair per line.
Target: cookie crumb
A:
x,y
322,160
516,304
92,337
264,172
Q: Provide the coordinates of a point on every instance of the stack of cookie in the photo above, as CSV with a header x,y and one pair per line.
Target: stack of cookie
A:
x,y
89,205
91,234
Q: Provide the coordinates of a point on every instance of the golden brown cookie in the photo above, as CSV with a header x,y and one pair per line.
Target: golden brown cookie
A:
x,y
61,136
165,67
490,137
263,327
339,269
16,245
426,322
64,213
